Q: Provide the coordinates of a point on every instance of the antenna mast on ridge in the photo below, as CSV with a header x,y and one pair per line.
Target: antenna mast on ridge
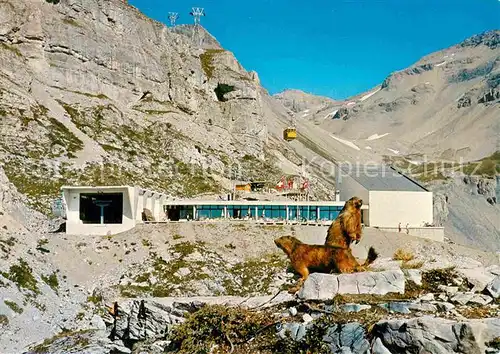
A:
x,y
197,12
173,16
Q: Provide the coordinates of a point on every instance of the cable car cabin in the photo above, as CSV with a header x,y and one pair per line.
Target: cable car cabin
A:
x,y
290,134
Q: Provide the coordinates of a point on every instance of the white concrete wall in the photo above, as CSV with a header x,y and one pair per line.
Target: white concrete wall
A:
x,y
349,188
389,208
75,226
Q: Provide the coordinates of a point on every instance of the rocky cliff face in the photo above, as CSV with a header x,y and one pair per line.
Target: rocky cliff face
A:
x,y
95,92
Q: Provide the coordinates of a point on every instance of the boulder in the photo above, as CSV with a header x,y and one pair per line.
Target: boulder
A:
x,y
320,286
349,338
435,335
479,277
493,288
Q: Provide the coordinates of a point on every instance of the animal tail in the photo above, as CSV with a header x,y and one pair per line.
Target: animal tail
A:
x,y
372,256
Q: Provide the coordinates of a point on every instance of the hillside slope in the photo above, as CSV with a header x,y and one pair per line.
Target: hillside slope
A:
x,y
438,121
445,106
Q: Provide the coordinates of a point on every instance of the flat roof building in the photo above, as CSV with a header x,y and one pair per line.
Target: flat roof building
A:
x,y
102,210
393,198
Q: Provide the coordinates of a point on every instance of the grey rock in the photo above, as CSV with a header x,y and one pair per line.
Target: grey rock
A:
x,y
436,335
347,338
319,286
493,288
481,299
354,307
183,272
449,290
149,320
98,322
462,298
464,101
494,269
444,306
443,297
415,275
408,307
426,297
479,277
84,342
295,331
379,348
307,318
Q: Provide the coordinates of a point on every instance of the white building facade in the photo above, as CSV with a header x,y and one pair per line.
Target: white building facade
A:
x,y
105,210
395,201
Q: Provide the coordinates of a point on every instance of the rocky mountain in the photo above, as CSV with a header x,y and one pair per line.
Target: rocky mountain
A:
x,y
96,92
438,122
302,103
445,106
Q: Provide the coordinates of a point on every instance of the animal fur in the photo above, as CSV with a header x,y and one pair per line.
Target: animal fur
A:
x,y
347,226
308,259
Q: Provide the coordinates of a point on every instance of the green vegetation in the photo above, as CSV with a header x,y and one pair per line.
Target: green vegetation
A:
x,y
431,279
183,273
79,340
6,244
51,281
71,22
432,171
13,306
10,48
254,275
21,275
4,321
95,298
495,343
207,61
55,2
217,325
87,94
488,166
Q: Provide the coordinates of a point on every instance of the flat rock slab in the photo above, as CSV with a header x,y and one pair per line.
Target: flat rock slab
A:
x,y
320,286
494,287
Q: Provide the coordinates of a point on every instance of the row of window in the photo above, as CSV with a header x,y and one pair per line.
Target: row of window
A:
x,y
269,211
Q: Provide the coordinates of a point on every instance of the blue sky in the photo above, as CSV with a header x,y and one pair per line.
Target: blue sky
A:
x,y
332,48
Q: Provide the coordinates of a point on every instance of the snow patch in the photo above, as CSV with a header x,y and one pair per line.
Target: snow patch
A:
x,y
306,111
414,162
365,97
440,64
351,103
368,148
305,115
346,142
376,136
393,151
427,83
